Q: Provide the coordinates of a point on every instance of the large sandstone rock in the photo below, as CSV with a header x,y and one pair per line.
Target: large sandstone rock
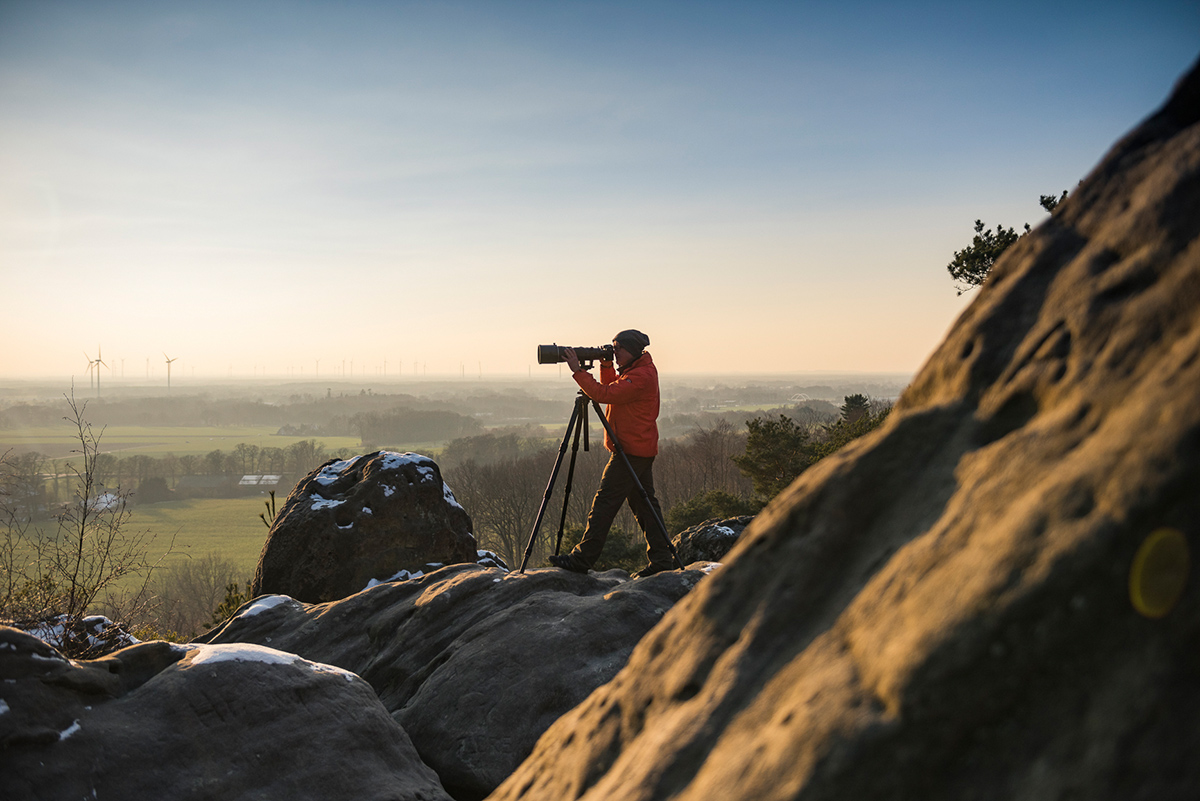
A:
x,y
365,518
474,662
959,605
156,721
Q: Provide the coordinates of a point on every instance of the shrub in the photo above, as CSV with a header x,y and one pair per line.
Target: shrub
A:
x,y
705,506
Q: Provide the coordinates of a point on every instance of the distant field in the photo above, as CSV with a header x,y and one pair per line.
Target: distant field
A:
x,y
229,527
58,441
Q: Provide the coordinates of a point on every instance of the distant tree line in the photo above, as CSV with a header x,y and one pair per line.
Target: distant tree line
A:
x,y
335,414
39,485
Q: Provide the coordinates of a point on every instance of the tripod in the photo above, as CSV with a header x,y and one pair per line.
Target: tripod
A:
x,y
579,427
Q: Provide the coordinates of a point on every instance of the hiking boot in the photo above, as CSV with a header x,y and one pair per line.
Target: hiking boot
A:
x,y
650,570
567,562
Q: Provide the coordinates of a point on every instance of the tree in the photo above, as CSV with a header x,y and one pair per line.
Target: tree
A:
x,y
85,560
846,430
189,591
701,461
153,490
971,265
705,506
855,407
234,598
25,484
502,498
780,449
777,450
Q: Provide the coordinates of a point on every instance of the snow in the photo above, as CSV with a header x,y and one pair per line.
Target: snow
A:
x,y
265,603
710,567
323,503
247,652
332,471
388,490
47,632
725,531
393,460
403,575
3,706
99,630
74,728
449,496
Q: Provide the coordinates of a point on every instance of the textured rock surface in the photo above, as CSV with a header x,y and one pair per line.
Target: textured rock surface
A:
x,y
474,662
711,540
352,521
943,609
157,721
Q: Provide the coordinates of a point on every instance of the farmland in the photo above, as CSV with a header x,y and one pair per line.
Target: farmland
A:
x,y
229,527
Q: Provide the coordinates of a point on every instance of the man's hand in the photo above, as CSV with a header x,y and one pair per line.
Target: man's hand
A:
x,y
572,359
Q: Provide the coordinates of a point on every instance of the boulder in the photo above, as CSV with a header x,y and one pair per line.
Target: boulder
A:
x,y
711,540
158,720
474,662
351,521
986,598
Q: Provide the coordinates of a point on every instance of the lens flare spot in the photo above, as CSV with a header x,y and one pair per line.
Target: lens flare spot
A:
x,y
1159,572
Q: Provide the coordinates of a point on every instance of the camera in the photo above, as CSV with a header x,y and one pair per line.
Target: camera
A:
x,y
553,354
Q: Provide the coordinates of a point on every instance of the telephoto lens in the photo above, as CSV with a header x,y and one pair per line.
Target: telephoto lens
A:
x,y
553,354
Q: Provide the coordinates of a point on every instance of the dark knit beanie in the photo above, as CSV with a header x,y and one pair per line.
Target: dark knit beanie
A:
x,y
633,341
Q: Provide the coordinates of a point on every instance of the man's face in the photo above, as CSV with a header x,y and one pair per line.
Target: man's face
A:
x,y
621,356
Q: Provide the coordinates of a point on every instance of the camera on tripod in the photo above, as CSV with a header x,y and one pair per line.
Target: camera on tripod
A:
x,y
553,354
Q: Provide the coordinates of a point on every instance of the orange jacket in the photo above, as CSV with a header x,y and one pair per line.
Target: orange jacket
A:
x,y
632,400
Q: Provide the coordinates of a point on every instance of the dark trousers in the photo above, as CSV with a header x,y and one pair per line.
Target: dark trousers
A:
x,y
617,487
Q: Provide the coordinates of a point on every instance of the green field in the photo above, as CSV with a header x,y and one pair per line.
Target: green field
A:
x,y
229,527
59,441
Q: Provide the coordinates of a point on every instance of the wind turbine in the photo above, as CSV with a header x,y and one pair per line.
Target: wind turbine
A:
x,y
95,364
169,360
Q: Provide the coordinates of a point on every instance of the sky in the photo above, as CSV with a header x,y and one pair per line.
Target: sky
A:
x,y
271,190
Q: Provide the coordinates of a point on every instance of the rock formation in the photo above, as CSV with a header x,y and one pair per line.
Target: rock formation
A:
x,y
988,597
711,540
474,662
365,518
157,720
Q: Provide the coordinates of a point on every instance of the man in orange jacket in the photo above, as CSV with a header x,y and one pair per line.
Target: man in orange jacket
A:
x,y
631,392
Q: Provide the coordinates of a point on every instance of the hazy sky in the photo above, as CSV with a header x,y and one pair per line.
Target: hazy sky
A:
x,y
759,186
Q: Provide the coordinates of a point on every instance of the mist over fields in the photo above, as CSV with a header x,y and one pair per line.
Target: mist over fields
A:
x,y
450,408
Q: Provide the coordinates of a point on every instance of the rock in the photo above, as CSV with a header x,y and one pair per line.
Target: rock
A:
x,y
474,662
711,540
365,518
986,598
157,720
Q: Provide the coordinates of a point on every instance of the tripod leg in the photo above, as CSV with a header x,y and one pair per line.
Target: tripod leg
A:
x,y
562,451
662,527
581,426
